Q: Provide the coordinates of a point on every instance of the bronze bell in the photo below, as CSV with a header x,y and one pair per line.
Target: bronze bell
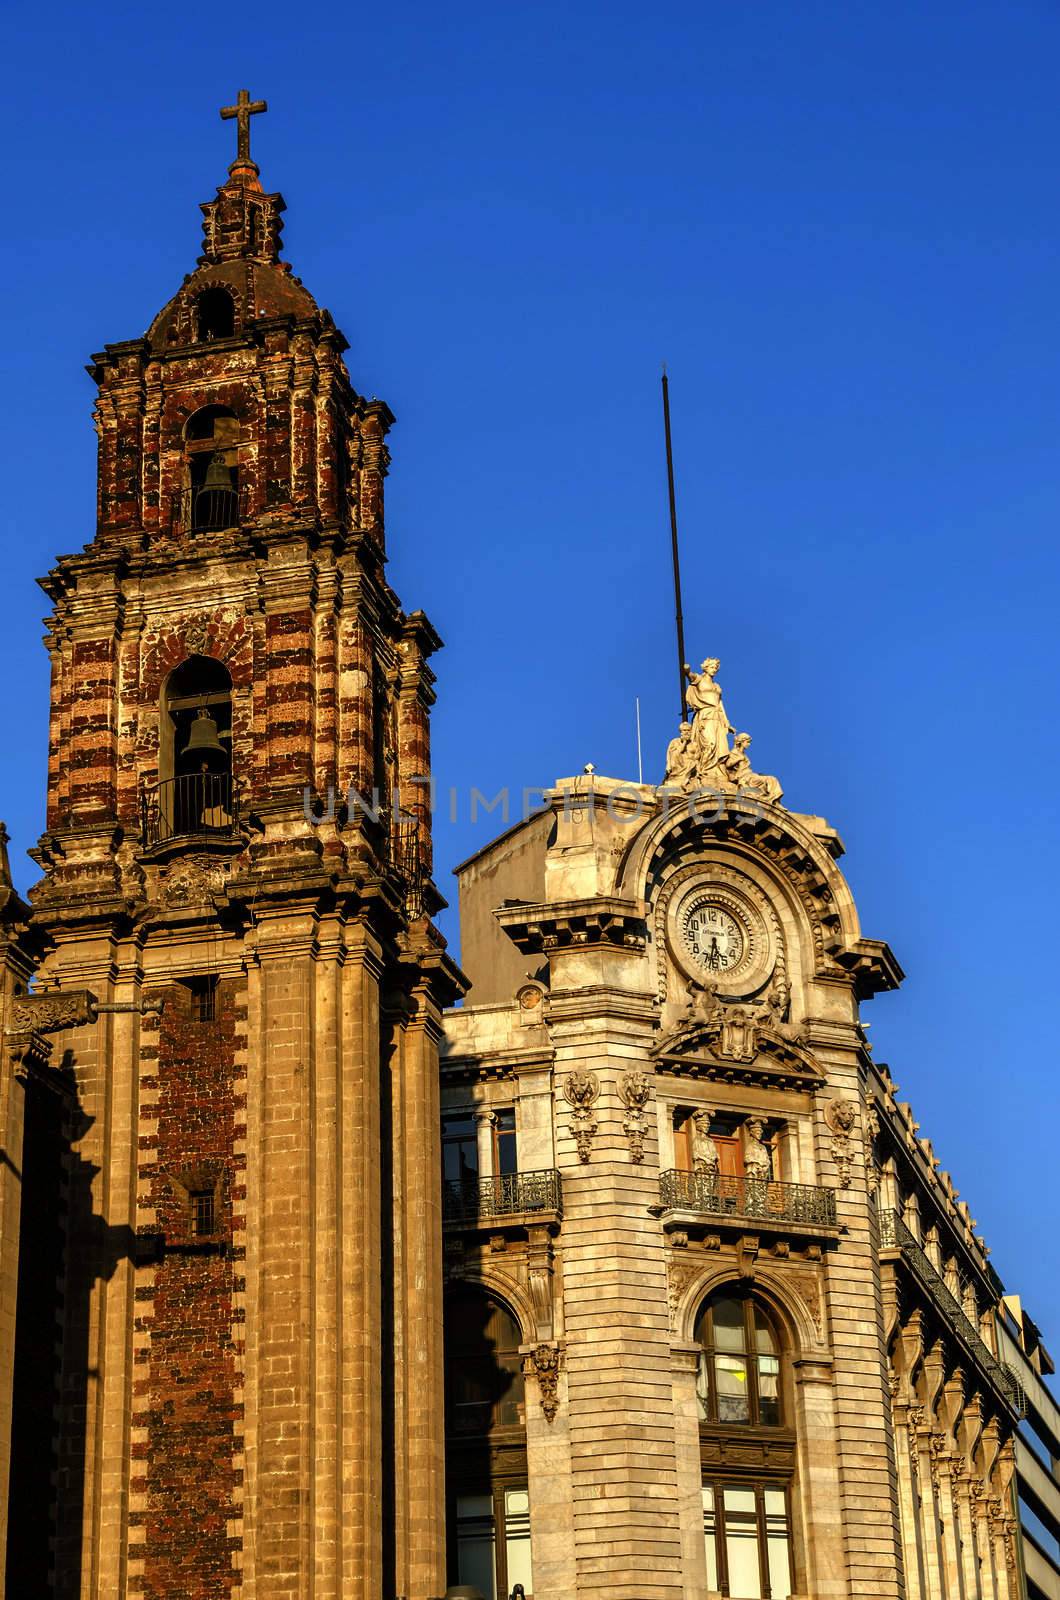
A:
x,y
218,474
203,740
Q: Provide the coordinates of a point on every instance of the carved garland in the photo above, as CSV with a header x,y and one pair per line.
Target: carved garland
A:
x,y
545,1360
841,1117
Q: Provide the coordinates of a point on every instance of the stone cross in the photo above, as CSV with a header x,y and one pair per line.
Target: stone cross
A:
x,y
243,110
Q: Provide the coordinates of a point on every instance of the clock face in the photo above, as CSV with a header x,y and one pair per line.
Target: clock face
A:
x,y
713,937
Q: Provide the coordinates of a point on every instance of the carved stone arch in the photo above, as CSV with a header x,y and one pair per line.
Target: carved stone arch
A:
x,y
801,1326
500,1286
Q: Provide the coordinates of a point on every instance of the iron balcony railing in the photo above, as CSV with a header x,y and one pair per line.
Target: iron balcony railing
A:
x,y
474,1200
200,805
896,1236
719,1195
205,510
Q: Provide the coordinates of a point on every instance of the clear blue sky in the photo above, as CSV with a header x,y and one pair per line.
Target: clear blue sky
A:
x,y
839,226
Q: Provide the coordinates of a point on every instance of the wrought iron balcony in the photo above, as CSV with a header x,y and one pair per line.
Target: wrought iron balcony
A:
x,y
471,1202
760,1200
206,510
894,1235
199,805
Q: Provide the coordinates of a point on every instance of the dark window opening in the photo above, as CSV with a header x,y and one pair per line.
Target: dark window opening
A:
x,y
194,794
505,1161
215,315
203,1212
747,1536
459,1148
203,998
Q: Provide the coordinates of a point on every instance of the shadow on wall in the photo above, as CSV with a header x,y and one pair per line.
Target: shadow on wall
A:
x,y
47,1492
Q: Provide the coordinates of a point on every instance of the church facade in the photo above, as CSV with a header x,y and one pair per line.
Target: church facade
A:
x,y
629,1276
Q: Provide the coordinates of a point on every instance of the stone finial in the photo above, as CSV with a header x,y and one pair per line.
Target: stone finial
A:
x,y
700,755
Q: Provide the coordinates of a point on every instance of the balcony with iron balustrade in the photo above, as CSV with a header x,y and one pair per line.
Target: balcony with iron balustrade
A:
x,y
510,1202
703,1202
200,808
898,1243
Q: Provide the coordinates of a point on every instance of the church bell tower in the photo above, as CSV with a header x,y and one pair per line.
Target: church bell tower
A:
x,y
240,993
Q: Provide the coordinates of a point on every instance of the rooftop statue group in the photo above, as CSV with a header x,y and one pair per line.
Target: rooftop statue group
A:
x,y
700,757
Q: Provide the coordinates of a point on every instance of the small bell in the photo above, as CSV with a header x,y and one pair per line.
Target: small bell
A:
x,y
203,743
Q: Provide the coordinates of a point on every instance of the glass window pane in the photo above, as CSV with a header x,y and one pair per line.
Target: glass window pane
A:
x,y
769,1390
710,1537
779,1568
476,1561
702,1388
739,1502
734,1402
741,1548
517,1538
763,1333
728,1325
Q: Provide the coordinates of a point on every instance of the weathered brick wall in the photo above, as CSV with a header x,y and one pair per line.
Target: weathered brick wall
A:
x,y
189,1399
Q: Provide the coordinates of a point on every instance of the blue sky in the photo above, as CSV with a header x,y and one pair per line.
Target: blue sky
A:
x,y
839,227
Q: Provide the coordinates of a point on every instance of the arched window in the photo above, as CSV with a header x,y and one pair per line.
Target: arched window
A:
x,y
746,1493
194,792
740,1364
210,500
486,1471
215,314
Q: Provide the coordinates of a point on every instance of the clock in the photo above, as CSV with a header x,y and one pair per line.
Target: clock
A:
x,y
714,938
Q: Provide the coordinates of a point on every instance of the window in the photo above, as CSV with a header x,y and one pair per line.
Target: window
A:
x,y
459,1147
747,1534
215,314
203,998
484,1371
740,1365
493,1542
485,1454
203,1212
504,1156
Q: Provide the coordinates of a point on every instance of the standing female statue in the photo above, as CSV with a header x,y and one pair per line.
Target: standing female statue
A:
x,y
711,727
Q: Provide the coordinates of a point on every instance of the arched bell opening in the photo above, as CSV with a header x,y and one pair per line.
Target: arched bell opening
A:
x,y
215,315
194,794
211,463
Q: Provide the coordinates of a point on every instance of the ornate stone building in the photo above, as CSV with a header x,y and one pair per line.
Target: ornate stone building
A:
x,y
715,1323
749,1331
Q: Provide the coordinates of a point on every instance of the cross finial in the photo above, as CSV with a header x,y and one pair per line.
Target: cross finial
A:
x,y
243,110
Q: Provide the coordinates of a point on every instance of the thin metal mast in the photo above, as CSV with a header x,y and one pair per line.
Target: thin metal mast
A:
x,y
673,541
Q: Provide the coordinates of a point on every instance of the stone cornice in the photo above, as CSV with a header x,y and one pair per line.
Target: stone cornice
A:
x,y
602,921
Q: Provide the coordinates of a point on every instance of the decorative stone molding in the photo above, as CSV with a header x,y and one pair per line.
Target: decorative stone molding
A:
x,y
605,920
581,1090
635,1089
545,1366
841,1117
47,1013
192,882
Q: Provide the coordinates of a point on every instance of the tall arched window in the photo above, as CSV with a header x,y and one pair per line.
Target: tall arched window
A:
x,y
486,1470
746,1492
211,467
194,792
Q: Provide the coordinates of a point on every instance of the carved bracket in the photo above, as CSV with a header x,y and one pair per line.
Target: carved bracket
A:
x,y
635,1089
581,1090
48,1013
544,1364
841,1117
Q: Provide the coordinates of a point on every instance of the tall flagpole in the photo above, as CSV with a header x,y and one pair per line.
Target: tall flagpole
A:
x,y
673,541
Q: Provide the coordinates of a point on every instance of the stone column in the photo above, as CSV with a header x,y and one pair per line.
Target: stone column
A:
x,y
822,1523
684,1367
